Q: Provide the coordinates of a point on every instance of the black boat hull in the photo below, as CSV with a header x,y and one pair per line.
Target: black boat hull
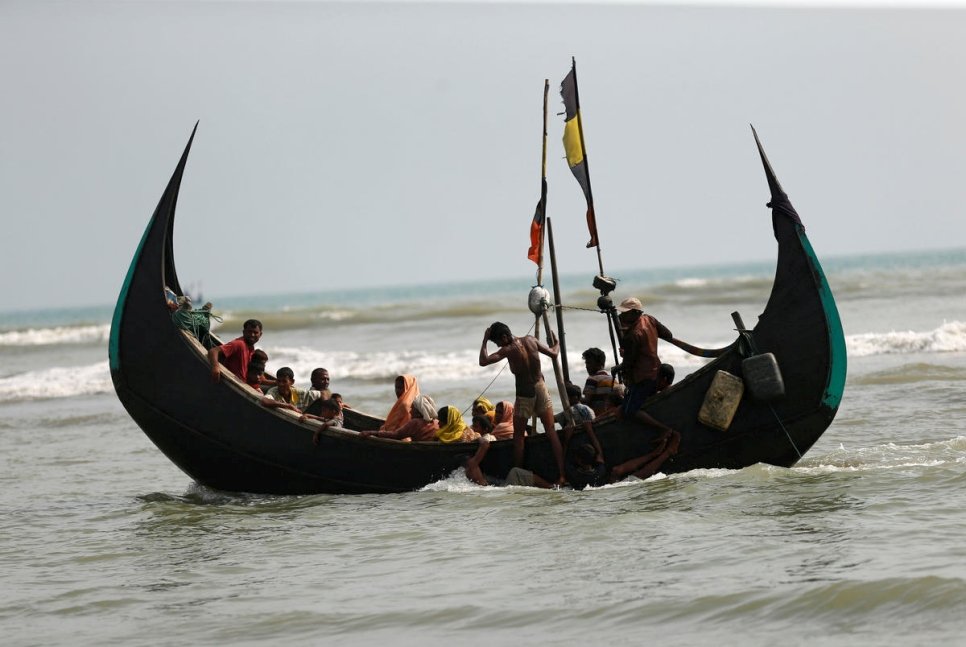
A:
x,y
221,437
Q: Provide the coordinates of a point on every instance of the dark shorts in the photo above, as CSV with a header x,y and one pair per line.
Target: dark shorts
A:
x,y
636,395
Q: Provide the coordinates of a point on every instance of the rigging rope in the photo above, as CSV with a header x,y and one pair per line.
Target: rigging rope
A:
x,y
197,322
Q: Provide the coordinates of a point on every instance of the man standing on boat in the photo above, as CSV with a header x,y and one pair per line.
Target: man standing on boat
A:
x,y
237,353
532,396
641,363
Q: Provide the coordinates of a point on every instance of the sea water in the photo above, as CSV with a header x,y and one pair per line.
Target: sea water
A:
x,y
104,541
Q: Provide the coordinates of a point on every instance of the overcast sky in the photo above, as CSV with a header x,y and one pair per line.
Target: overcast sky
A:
x,y
370,144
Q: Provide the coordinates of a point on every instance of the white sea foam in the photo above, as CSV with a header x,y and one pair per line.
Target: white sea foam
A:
x,y
335,315
947,338
692,283
57,382
458,483
457,365
703,473
59,335
886,456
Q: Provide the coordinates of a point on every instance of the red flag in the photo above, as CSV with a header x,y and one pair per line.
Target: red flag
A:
x,y
535,253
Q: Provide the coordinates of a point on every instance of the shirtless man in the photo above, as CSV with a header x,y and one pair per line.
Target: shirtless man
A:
x,y
523,355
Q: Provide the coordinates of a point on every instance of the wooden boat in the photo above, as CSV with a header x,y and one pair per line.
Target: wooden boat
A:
x,y
222,438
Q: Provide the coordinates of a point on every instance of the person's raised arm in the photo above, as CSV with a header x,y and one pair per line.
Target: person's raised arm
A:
x,y
663,332
486,359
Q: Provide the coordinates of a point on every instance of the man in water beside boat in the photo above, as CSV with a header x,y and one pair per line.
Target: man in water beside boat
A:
x,y
532,396
237,353
584,466
516,476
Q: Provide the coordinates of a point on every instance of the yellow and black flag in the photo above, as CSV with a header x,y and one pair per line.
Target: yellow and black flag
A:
x,y
573,141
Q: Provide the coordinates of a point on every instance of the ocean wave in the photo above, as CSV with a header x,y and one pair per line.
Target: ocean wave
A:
x,y
895,599
914,373
57,382
298,318
901,597
688,290
459,368
717,290
947,338
381,366
888,456
366,368
82,334
201,495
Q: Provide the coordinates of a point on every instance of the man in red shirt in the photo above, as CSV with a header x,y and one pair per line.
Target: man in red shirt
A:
x,y
641,363
237,353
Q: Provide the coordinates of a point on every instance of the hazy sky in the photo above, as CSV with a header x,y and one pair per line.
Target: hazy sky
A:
x,y
370,144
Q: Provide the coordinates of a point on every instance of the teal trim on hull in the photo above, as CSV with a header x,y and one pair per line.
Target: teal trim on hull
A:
x,y
114,344
838,363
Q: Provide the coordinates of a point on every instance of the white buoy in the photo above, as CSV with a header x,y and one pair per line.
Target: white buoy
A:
x,y
539,300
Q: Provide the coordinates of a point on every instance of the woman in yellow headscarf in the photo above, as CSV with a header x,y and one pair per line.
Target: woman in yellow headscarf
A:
x,y
406,392
483,407
452,428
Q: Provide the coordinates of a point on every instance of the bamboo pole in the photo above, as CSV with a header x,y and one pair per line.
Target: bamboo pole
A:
x,y
556,299
543,196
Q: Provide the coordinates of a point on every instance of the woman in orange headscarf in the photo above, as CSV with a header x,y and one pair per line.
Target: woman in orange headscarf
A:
x,y
406,392
503,428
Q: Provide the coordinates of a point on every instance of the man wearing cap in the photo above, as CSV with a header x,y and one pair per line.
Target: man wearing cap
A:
x,y
641,363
